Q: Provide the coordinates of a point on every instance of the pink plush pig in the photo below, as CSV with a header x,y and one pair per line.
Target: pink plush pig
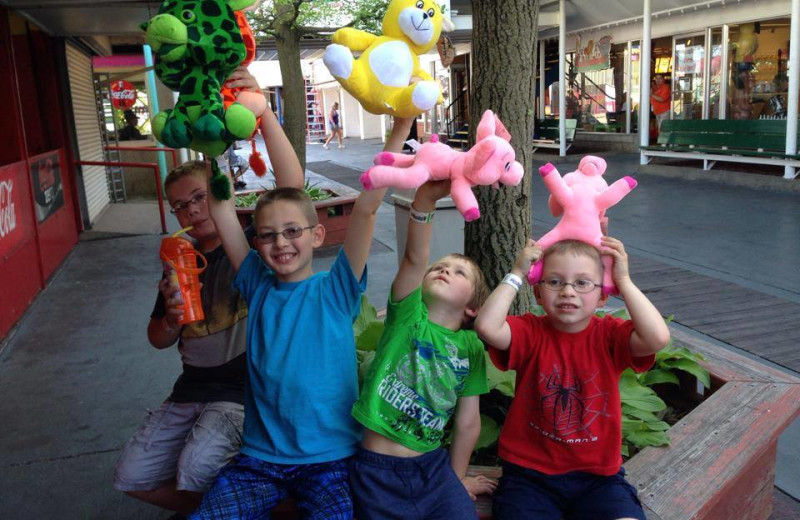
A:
x,y
581,198
489,162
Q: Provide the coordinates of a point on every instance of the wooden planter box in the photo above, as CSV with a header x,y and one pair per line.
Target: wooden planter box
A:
x,y
333,213
721,460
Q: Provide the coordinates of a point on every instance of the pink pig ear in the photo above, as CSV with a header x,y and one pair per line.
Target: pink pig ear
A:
x,y
500,130
486,127
481,152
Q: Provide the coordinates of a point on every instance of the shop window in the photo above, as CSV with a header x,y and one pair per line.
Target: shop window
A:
x,y
758,81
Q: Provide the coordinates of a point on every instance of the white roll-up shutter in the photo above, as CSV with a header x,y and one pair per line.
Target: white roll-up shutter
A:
x,y
90,146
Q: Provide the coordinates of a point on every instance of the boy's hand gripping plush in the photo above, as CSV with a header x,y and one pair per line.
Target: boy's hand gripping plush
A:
x,y
581,198
489,162
197,46
379,78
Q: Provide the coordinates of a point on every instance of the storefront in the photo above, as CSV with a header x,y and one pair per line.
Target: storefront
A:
x,y
719,61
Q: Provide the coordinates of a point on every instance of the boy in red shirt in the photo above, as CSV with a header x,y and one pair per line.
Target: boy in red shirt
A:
x,y
561,441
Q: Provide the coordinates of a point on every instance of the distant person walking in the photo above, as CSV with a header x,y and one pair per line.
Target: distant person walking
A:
x,y
659,99
336,127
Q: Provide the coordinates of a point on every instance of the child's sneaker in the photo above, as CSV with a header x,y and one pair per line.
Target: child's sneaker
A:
x,y
325,146
342,146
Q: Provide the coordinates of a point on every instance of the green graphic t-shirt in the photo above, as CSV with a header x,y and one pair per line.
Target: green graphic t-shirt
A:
x,y
419,372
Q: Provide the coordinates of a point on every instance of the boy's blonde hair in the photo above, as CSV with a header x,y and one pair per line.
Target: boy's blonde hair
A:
x,y
189,168
576,248
295,196
480,290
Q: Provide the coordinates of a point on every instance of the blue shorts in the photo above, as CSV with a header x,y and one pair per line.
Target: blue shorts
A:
x,y
251,488
526,493
417,488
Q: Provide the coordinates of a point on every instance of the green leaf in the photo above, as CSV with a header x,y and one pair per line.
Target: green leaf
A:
x,y
366,315
648,438
490,432
692,367
636,413
636,395
656,376
625,451
499,380
369,338
365,359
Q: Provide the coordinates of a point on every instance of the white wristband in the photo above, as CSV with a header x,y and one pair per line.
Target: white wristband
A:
x,y
513,280
419,216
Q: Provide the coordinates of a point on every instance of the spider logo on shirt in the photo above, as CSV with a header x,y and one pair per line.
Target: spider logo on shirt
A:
x,y
566,403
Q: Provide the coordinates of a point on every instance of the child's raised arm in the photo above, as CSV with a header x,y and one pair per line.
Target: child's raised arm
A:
x,y
417,252
650,333
362,220
285,165
491,324
223,213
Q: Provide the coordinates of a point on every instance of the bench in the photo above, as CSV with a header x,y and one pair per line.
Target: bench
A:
x,y
721,459
710,140
549,136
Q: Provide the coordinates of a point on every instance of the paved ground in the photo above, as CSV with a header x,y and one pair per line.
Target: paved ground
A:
x,y
77,374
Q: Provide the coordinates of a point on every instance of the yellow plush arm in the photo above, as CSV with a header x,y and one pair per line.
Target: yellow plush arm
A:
x,y
420,73
353,39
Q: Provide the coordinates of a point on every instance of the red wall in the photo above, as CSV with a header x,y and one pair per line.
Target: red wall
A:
x,y
30,251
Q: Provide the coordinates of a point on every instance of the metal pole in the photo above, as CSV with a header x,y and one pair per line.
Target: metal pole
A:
x,y
723,87
794,83
153,95
541,79
562,80
644,74
707,76
628,85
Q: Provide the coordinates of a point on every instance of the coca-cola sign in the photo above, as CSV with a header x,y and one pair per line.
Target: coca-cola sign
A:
x,y
123,95
12,226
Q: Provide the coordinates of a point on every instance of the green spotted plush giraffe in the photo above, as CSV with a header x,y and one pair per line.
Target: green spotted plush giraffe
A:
x,y
197,45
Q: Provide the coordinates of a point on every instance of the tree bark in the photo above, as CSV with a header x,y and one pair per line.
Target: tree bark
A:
x,y
503,80
287,42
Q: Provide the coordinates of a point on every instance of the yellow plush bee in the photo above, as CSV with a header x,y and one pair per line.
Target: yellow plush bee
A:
x,y
379,78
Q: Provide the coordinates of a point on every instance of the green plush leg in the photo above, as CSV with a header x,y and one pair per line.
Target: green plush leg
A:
x,y
158,123
176,132
209,127
220,184
240,121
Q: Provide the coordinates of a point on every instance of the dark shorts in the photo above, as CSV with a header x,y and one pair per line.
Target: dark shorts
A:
x,y
526,493
251,488
417,488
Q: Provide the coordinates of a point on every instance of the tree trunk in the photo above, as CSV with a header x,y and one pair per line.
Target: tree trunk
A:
x,y
503,80
294,90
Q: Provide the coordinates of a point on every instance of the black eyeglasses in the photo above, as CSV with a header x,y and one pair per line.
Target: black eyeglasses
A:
x,y
581,286
289,233
183,206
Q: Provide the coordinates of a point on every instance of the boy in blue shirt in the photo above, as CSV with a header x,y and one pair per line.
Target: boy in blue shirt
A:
x,y
301,365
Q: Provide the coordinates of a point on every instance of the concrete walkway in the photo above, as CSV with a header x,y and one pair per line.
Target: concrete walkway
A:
x,y
78,374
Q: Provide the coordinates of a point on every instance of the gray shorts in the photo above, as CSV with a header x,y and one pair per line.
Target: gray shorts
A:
x,y
188,442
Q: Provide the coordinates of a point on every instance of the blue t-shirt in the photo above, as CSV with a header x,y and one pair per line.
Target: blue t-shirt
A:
x,y
301,363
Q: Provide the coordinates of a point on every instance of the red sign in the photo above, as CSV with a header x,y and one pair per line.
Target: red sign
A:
x,y
12,227
123,95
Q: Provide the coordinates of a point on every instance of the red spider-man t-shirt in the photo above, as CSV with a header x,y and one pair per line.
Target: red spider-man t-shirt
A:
x,y
566,413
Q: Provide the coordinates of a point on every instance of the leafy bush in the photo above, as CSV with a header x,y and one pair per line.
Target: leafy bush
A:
x,y
313,190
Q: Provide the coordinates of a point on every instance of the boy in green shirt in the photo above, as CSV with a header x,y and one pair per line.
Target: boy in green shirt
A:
x,y
426,367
